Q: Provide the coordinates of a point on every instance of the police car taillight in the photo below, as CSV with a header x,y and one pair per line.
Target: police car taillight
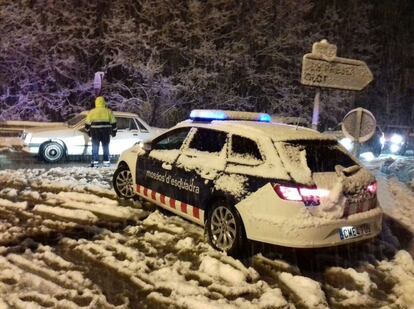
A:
x,y
216,114
372,188
309,196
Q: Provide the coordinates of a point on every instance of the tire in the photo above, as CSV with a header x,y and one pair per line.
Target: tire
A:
x,y
224,229
123,182
52,152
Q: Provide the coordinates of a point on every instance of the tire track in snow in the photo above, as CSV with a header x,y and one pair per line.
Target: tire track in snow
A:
x,y
164,261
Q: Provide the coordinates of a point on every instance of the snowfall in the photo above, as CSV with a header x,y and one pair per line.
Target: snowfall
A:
x,y
66,241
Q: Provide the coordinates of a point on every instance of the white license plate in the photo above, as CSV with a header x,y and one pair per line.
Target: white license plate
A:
x,y
348,232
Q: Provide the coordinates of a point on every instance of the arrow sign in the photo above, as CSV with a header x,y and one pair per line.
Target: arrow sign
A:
x,y
322,68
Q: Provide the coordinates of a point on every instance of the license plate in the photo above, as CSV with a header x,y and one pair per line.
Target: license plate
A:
x,y
349,232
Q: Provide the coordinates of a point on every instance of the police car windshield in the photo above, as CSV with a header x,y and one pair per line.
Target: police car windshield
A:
x,y
75,120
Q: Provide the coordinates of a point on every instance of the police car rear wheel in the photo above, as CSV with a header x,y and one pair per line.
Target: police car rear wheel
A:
x,y
123,184
52,152
224,229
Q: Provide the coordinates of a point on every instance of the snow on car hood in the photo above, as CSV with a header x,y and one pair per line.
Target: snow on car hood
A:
x,y
50,132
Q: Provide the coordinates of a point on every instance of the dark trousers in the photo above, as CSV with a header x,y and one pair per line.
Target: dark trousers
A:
x,y
99,137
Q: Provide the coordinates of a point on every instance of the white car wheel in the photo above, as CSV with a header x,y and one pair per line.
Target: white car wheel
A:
x,y
52,152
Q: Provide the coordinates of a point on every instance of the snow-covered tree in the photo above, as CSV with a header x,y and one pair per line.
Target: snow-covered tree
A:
x,y
164,57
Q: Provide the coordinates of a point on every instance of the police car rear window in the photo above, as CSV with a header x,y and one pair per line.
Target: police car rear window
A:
x,y
208,140
322,156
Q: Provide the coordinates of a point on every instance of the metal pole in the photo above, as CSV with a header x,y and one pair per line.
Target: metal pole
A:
x,y
316,104
358,123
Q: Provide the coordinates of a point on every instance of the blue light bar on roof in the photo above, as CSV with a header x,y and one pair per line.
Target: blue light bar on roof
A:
x,y
265,117
207,114
216,114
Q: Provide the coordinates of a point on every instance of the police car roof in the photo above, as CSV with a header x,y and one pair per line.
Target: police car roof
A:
x,y
275,131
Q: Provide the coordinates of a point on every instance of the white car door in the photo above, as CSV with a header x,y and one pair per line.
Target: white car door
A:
x,y
128,134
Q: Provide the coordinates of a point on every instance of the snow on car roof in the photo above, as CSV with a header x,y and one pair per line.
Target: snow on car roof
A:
x,y
275,131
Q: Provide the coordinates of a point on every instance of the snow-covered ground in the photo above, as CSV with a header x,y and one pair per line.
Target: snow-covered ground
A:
x,y
67,242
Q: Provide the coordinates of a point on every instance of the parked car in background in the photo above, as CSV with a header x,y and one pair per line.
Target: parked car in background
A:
x,y
53,144
242,176
375,144
398,139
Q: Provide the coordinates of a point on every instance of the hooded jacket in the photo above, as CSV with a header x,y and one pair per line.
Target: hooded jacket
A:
x,y
100,119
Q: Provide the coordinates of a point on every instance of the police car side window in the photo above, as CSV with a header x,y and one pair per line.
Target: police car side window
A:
x,y
171,140
208,140
244,148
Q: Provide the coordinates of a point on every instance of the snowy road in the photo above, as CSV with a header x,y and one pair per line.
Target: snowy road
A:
x,y
66,242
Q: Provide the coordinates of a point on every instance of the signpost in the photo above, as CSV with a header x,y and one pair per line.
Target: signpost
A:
x,y
359,125
97,82
322,68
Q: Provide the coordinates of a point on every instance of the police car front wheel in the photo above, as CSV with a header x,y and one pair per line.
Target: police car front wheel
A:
x,y
123,184
225,228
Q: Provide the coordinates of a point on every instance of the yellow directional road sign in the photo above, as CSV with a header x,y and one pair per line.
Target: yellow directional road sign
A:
x,y
322,68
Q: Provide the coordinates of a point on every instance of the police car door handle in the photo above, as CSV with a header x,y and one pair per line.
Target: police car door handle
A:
x,y
166,166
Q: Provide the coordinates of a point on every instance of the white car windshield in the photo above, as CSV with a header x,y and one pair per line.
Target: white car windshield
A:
x,y
75,120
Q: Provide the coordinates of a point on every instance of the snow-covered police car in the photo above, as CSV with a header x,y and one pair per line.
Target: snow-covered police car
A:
x,y
241,176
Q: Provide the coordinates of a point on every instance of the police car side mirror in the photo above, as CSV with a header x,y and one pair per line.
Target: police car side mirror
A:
x,y
147,146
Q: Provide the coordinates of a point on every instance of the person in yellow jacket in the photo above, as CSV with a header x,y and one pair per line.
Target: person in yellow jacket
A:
x,y
100,124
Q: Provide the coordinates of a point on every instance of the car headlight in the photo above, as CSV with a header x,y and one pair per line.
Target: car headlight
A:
x,y
347,143
27,138
394,148
397,139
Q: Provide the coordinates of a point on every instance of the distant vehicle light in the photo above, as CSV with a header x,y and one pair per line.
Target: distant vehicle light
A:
x,y
367,156
213,114
347,143
397,139
394,148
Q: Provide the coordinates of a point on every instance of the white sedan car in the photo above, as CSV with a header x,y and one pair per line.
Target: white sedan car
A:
x,y
52,144
241,176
